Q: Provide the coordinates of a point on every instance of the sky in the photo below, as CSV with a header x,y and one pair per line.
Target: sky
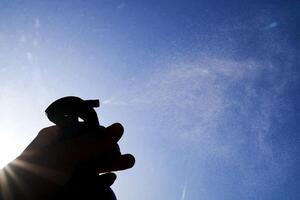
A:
x,y
207,90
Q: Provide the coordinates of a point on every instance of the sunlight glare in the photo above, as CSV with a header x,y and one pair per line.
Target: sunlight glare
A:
x,y
8,151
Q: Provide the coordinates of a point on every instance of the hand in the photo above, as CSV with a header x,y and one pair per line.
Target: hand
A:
x,y
48,168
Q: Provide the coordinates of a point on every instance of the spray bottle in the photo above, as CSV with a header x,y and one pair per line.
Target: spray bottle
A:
x,y
75,117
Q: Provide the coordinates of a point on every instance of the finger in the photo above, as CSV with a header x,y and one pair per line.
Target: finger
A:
x,y
122,162
107,179
76,149
115,132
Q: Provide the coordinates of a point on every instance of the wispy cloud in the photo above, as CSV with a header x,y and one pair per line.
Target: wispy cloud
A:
x,y
37,23
272,25
29,56
217,108
23,38
122,5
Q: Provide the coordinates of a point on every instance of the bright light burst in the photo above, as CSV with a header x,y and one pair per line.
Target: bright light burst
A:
x,y
8,152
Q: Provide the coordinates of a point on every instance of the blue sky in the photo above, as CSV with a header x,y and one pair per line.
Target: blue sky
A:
x,y
207,90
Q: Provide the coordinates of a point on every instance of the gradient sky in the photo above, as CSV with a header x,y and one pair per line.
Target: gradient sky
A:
x,y
208,91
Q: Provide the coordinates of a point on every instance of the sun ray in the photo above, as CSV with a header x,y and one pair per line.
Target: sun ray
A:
x,y
18,182
51,175
4,187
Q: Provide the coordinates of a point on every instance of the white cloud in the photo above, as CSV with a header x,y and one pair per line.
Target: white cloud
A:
x,y
112,101
23,38
29,56
35,42
217,108
122,5
37,23
271,26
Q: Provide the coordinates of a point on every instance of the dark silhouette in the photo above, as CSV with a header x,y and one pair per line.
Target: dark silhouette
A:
x,y
64,161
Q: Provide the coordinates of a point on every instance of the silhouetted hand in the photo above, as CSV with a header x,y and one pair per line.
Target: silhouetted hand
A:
x,y
52,169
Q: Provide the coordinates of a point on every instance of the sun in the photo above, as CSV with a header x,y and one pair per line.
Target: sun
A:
x,y
8,152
